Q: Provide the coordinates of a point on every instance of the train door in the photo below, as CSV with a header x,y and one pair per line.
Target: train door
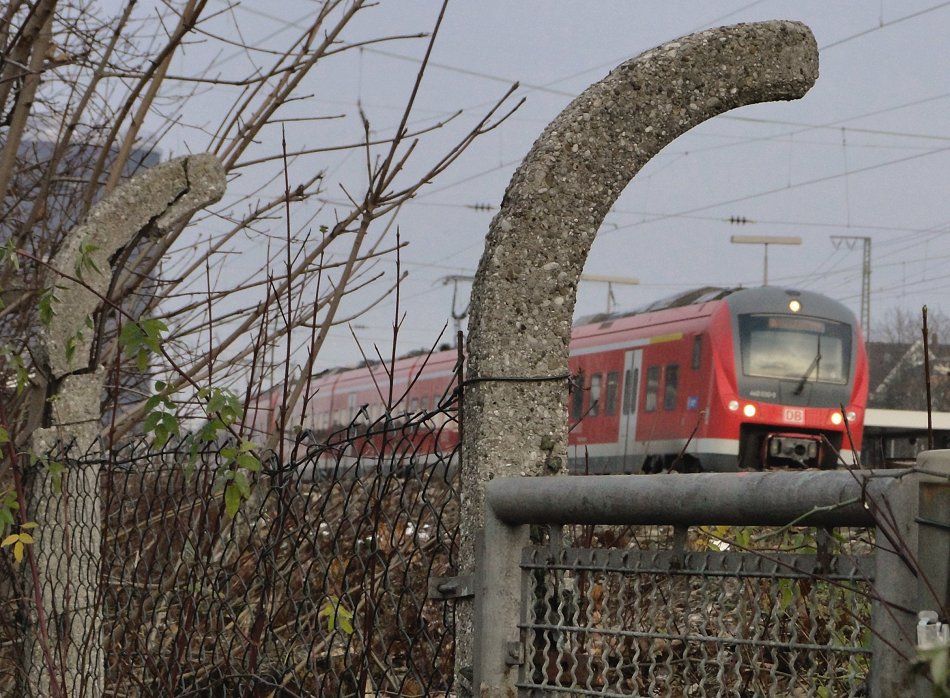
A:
x,y
632,363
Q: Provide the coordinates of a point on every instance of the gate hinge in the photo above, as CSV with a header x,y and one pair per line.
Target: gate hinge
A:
x,y
446,588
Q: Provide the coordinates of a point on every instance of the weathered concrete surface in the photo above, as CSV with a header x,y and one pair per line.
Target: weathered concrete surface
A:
x,y
912,561
524,293
67,506
68,514
150,204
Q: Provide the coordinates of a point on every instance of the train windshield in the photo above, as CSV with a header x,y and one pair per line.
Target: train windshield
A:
x,y
795,348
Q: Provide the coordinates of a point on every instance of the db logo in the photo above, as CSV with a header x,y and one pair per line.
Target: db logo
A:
x,y
794,415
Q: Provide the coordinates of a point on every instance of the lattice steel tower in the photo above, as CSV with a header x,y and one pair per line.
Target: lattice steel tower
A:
x,y
850,241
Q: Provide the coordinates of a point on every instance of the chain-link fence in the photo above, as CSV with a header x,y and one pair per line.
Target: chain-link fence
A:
x,y
316,586
319,583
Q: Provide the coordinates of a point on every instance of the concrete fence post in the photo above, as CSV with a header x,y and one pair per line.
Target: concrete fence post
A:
x,y
912,573
66,506
523,297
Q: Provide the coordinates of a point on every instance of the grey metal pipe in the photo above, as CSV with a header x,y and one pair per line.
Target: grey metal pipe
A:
x,y
834,498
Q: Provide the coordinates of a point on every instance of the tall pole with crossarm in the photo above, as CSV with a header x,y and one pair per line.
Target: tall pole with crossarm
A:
x,y
765,240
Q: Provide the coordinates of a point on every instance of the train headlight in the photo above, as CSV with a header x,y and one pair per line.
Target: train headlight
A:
x,y
749,410
733,405
851,415
794,305
836,418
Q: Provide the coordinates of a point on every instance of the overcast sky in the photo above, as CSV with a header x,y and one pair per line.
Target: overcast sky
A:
x,y
864,154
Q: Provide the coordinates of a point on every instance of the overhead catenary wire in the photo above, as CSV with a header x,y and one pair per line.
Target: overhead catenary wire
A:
x,y
912,235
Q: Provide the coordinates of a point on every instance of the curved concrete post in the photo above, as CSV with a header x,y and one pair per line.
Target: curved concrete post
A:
x,y
67,508
524,292
150,204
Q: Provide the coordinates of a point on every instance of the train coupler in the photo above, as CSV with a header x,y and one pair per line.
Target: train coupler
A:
x,y
803,449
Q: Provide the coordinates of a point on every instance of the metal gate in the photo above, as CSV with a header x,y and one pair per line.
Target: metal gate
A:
x,y
789,584
614,622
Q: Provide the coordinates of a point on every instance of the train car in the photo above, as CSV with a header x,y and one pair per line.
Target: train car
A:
x,y
711,380
719,379
345,401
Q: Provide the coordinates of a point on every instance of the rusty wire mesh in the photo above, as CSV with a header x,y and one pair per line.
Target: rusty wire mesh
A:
x,y
317,586
653,617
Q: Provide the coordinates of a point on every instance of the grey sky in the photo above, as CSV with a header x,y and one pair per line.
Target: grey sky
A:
x,y
865,153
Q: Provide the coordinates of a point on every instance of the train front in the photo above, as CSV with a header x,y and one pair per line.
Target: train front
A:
x,y
797,391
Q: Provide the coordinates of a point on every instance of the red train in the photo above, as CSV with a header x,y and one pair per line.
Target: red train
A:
x,y
714,379
717,380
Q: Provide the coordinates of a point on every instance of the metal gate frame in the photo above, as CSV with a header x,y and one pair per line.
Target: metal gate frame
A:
x,y
891,501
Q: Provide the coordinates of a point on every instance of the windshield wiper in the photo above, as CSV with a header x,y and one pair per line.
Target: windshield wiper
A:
x,y
814,364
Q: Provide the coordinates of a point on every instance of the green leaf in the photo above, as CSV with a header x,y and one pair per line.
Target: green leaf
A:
x,y
47,299
141,339
232,499
223,404
249,462
337,614
4,436
346,620
55,470
208,432
22,374
167,428
151,421
85,262
71,346
8,505
786,594
130,337
8,254
240,481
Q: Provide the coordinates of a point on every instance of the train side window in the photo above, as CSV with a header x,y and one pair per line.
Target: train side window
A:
x,y
631,381
670,388
697,351
653,388
577,398
595,381
610,398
